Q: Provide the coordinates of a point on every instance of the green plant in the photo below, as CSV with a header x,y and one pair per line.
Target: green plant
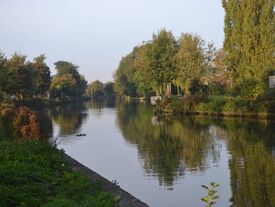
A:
x,y
211,197
33,173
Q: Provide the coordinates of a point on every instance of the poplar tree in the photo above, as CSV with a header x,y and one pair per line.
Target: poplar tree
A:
x,y
249,44
164,48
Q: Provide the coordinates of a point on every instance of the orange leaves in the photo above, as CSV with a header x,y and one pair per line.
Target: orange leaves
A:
x,y
26,123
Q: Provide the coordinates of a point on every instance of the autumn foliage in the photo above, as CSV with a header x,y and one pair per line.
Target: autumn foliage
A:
x,y
26,123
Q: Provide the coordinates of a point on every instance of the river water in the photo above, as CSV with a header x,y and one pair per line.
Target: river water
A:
x,y
164,161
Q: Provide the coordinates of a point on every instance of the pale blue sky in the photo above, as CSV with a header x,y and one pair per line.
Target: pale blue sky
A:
x,y
96,34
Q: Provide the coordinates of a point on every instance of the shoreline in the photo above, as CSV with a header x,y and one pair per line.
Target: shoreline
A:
x,y
126,199
267,117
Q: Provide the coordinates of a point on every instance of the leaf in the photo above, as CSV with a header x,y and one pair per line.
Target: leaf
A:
x,y
205,187
216,197
205,199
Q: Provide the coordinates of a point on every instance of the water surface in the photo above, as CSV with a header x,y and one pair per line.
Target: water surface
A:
x,y
164,161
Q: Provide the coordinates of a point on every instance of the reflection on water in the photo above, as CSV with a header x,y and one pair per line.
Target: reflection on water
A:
x,y
169,147
252,164
69,117
175,155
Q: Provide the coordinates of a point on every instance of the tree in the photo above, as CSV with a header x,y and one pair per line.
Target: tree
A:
x,y
249,44
64,67
124,76
163,65
3,76
20,77
63,86
219,76
42,79
143,77
95,89
67,84
109,89
191,61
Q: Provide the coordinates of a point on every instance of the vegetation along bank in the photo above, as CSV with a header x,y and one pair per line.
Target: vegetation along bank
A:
x,y
233,80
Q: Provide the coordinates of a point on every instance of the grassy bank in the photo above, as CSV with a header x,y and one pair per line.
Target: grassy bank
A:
x,y
33,173
218,106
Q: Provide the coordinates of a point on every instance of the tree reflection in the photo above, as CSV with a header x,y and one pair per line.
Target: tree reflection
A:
x,y
69,118
168,147
252,163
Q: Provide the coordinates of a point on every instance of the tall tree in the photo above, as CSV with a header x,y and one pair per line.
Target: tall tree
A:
x,y
191,61
42,79
163,65
144,76
249,44
20,77
124,76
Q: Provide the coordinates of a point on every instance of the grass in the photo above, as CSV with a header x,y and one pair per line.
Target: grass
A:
x,y
33,173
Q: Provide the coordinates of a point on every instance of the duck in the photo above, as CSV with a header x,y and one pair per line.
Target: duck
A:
x,y
81,135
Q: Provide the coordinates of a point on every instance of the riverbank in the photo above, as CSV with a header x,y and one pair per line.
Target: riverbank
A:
x,y
218,106
34,173
125,198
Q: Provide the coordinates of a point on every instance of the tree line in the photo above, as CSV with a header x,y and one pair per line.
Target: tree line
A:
x,y
96,89
25,80
22,80
167,65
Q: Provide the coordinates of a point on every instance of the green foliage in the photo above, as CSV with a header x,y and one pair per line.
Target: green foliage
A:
x,y
144,77
20,77
164,48
42,79
217,105
191,61
249,44
163,64
210,199
225,105
34,173
109,89
124,77
95,89
23,80
67,84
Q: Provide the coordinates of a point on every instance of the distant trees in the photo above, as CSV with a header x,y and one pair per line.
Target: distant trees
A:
x,y
249,44
109,89
97,89
21,79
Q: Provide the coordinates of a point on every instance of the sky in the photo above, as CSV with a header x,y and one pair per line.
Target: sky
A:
x,y
96,34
